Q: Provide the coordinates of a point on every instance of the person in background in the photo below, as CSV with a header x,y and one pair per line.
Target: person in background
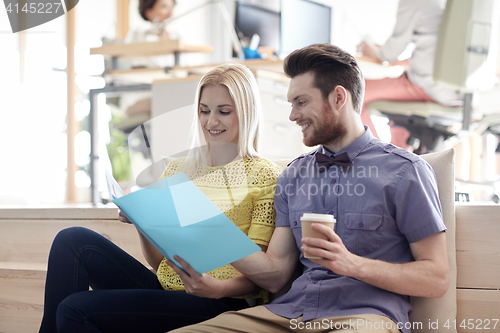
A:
x,y
417,22
388,243
127,296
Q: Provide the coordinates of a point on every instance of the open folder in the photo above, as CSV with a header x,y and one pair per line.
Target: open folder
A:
x,y
178,219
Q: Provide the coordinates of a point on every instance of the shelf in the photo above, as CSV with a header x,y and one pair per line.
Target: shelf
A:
x,y
145,49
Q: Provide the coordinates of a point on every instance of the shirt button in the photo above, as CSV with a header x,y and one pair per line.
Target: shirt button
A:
x,y
361,224
334,181
314,282
294,223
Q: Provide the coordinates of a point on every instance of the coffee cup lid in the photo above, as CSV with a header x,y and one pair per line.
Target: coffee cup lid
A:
x,y
317,217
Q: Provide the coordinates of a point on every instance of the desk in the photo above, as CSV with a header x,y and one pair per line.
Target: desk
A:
x,y
148,49
374,70
116,51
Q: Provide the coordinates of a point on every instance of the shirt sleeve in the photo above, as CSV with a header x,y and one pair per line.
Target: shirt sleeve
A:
x,y
263,214
407,17
281,202
418,209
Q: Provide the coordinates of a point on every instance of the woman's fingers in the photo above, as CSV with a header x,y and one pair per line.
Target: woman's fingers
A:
x,y
122,218
187,267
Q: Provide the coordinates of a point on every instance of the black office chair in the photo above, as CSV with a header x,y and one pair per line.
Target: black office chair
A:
x,y
465,60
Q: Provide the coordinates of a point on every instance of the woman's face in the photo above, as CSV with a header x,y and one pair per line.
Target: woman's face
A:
x,y
218,115
162,10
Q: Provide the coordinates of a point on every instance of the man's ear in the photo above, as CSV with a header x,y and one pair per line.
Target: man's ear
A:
x,y
338,97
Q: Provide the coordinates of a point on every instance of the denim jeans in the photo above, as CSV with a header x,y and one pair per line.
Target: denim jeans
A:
x,y
125,297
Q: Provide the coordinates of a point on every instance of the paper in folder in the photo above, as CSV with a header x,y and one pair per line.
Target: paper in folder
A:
x,y
179,219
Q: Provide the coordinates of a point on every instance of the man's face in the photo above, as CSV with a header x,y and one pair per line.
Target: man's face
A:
x,y
320,123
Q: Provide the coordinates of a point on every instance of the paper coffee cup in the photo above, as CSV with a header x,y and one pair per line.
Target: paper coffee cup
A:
x,y
307,219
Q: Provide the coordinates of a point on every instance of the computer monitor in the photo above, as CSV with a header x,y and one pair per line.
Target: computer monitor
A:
x,y
303,22
252,19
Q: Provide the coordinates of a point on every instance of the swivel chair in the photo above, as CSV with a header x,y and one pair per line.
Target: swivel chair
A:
x,y
464,60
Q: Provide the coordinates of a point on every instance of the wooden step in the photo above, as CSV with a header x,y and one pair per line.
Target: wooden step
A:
x,y
21,296
26,236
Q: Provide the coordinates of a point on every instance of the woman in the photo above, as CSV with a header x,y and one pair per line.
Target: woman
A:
x,y
127,296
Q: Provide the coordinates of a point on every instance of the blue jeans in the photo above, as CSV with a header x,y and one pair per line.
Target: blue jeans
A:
x,y
126,296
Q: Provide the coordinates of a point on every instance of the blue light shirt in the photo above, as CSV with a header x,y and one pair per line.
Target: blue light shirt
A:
x,y
384,201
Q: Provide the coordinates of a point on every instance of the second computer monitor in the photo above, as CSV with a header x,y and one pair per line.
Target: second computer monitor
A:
x,y
303,22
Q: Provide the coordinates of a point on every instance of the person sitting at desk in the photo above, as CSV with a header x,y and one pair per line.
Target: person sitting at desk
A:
x,y
417,22
388,243
126,295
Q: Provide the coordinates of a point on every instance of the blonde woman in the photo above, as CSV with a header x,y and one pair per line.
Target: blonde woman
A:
x,y
127,296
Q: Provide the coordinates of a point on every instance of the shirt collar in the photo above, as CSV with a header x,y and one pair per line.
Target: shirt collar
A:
x,y
354,148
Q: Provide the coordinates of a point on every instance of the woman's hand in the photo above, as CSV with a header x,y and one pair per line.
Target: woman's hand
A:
x,y
202,285
122,218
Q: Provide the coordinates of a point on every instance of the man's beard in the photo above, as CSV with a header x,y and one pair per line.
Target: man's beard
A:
x,y
329,131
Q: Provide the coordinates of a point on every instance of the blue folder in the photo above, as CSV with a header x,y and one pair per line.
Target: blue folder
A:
x,y
179,219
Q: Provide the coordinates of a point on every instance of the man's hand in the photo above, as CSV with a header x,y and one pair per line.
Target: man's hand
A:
x,y
335,255
202,285
427,276
122,218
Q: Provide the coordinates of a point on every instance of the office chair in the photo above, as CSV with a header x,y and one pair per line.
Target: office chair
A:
x,y
464,60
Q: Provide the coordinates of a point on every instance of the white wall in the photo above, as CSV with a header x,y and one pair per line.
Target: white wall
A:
x,y
353,20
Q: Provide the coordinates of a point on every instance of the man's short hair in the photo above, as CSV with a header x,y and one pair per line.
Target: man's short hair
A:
x,y
331,66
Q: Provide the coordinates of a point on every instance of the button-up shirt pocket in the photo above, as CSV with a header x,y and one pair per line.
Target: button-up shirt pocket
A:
x,y
363,232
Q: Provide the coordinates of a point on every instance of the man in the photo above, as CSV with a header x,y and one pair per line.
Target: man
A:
x,y
389,241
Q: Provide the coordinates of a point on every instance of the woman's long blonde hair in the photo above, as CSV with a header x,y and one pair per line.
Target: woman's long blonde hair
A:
x,y
243,89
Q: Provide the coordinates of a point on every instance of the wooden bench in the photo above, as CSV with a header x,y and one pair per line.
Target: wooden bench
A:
x,y
25,239
478,266
26,236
